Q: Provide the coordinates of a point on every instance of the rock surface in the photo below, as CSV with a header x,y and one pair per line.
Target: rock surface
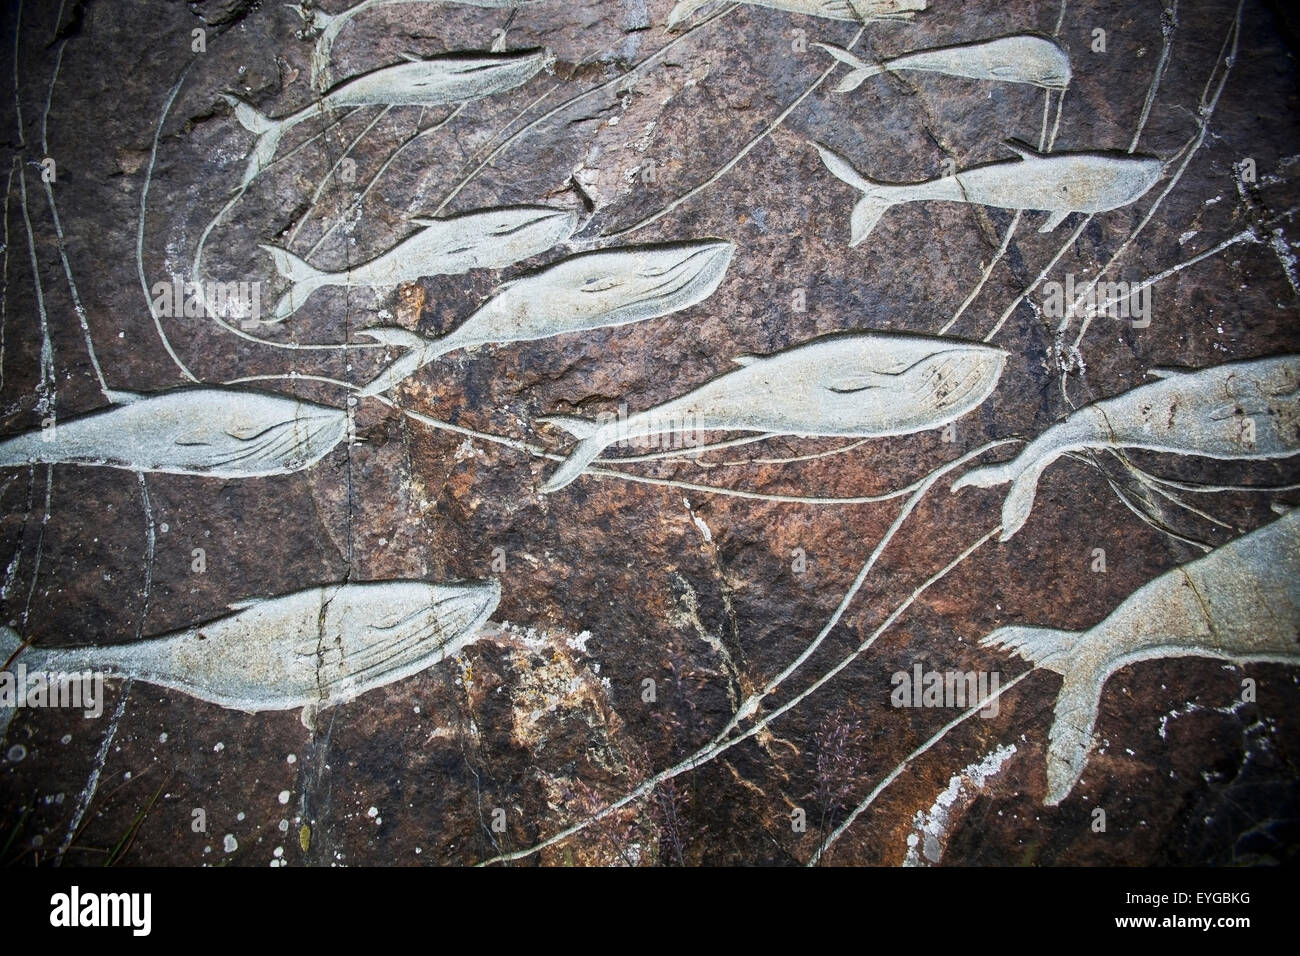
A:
x,y
612,583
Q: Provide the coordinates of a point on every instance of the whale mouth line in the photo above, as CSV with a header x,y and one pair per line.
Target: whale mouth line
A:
x,y
711,250
854,391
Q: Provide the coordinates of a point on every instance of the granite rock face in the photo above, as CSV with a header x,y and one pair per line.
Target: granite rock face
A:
x,y
652,608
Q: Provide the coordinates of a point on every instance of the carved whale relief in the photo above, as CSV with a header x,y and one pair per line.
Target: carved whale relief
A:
x,y
593,290
857,11
1016,59
213,432
1240,603
330,25
866,384
312,649
1242,410
491,239
438,81
1056,183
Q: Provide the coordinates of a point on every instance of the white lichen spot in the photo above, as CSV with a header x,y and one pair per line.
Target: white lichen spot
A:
x,y
931,829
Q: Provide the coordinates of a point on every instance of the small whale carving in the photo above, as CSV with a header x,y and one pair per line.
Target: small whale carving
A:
x,y
1016,59
856,11
1239,603
1241,410
206,431
438,81
865,384
331,25
1056,183
312,649
490,239
593,290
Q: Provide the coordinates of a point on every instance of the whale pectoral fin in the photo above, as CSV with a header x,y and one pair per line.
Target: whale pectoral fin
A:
x,y
1055,219
1166,372
1006,70
123,398
746,360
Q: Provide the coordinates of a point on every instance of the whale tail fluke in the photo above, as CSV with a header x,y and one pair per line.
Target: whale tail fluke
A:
x,y
419,352
875,196
860,71
1042,646
1023,473
592,440
306,279
1070,739
1075,715
1020,500
681,11
267,131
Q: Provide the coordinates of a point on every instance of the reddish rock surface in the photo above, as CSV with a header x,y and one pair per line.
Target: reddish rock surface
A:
x,y
610,583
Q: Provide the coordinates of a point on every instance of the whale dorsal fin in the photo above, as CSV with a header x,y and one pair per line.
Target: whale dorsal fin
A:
x,y
1023,150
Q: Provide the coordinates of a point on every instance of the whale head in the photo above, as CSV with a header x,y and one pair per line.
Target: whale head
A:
x,y
380,632
1041,62
878,384
253,435
641,282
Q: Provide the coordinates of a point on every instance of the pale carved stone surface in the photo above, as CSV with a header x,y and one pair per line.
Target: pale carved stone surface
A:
x,y
426,234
